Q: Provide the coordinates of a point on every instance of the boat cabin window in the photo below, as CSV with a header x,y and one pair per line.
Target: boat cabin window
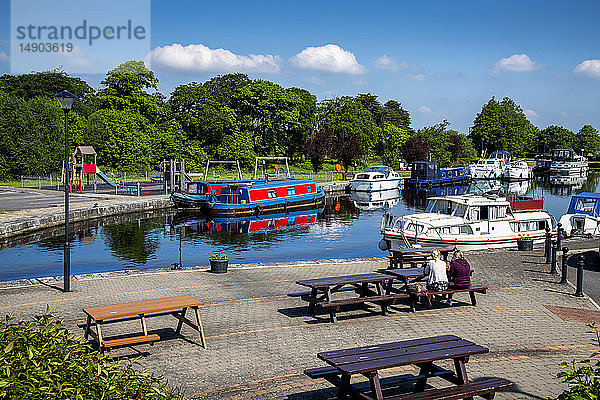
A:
x,y
378,176
440,207
586,205
291,190
271,193
459,210
528,226
496,212
308,188
193,188
415,227
473,214
466,230
362,176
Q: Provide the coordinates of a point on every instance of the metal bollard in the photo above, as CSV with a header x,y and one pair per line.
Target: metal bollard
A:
x,y
553,265
580,265
559,231
563,278
547,245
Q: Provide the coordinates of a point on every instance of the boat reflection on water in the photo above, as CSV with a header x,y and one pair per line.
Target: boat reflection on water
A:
x,y
516,188
417,197
562,185
246,225
375,200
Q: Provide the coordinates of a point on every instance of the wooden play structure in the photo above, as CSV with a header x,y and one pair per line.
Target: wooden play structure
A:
x,y
81,166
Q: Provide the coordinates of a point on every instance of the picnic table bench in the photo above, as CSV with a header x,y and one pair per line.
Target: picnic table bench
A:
x,y
415,255
423,353
409,275
369,287
176,306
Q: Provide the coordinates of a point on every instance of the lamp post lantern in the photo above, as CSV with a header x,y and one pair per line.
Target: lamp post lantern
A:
x,y
66,100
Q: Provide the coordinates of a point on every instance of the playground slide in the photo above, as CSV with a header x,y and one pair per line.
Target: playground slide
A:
x,y
105,178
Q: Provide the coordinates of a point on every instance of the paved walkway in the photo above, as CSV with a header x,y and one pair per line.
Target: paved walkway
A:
x,y
260,340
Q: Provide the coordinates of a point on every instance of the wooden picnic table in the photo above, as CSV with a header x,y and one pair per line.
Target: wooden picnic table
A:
x,y
175,306
423,353
323,290
421,254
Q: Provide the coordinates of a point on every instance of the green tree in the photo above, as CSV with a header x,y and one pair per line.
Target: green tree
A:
x,y
395,138
437,136
503,126
554,137
587,139
416,148
394,114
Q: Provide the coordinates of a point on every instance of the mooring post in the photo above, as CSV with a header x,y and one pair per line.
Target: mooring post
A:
x,y
559,230
563,278
553,264
547,246
580,265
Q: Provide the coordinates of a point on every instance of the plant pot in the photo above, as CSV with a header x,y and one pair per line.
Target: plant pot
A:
x,y
525,245
218,266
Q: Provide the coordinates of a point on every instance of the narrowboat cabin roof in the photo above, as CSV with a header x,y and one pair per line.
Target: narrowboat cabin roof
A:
x,y
585,203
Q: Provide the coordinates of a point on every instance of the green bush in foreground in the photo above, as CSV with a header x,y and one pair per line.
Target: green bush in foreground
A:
x,y
42,360
583,377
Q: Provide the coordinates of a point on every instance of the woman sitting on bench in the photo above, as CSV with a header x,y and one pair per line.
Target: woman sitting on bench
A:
x,y
459,274
435,271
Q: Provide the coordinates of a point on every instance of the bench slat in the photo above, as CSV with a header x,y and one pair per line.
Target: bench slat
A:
x,y
474,288
131,340
81,324
356,300
321,372
478,388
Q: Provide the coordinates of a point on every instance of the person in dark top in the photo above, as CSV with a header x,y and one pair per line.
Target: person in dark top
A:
x,y
459,274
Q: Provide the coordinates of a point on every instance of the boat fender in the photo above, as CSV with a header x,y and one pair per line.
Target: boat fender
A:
x,y
383,245
285,206
429,185
258,209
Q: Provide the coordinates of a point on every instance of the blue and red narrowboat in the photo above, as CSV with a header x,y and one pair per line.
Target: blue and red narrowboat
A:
x,y
241,198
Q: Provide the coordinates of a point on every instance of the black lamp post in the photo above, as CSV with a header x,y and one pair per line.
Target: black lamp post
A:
x,y
180,170
66,100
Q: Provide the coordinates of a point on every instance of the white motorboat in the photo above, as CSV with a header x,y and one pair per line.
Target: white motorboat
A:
x,y
491,167
517,170
375,200
469,222
378,177
583,215
565,162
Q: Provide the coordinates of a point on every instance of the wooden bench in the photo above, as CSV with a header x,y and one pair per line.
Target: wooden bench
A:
x,y
486,388
131,340
415,296
81,324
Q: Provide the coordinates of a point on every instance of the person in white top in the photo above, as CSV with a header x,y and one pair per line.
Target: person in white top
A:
x,y
435,271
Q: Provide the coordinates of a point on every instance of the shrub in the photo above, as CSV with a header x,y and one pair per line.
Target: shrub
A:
x,y
583,377
42,360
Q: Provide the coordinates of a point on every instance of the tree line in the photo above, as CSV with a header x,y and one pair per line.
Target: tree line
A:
x,y
133,126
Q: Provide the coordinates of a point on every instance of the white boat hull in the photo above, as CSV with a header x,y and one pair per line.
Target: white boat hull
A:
x,y
367,186
580,224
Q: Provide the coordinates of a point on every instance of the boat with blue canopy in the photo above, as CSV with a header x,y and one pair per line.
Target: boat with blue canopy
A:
x,y
583,215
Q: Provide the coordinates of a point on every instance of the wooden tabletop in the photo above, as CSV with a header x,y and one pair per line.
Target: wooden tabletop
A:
x,y
142,307
344,280
405,273
420,250
366,359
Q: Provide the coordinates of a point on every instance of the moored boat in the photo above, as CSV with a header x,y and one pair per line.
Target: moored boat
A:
x,y
254,198
565,162
583,215
469,222
517,170
429,173
375,178
491,167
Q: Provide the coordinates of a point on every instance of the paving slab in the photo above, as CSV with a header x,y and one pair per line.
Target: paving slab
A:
x,y
260,340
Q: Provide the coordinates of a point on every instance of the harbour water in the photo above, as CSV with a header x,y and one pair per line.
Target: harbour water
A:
x,y
348,227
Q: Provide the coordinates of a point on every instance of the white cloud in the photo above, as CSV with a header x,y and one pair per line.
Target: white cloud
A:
x,y
589,68
424,110
328,58
417,77
516,63
313,80
530,114
199,58
388,63
4,57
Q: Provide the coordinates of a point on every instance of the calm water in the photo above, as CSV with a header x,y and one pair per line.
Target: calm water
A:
x,y
345,228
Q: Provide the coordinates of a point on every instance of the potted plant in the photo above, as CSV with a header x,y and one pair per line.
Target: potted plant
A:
x,y
218,262
524,243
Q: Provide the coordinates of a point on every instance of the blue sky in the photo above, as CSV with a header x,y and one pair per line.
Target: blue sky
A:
x,y
439,59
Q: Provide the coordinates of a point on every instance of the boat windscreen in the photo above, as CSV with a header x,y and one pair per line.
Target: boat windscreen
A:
x,y
440,206
583,205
